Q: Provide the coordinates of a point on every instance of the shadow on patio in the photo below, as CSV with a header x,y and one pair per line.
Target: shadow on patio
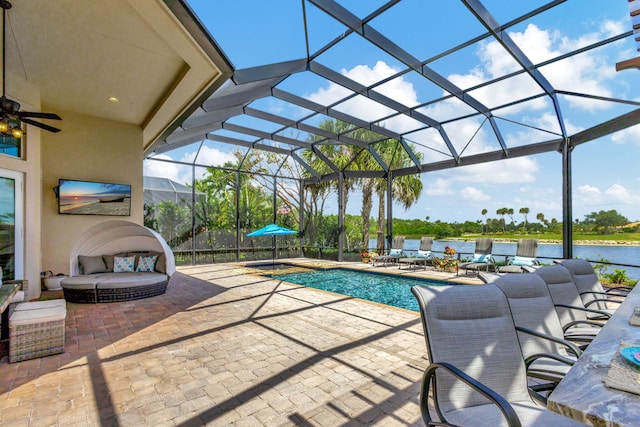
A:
x,y
222,347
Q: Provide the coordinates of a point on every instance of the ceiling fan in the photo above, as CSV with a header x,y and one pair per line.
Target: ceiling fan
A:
x,y
10,114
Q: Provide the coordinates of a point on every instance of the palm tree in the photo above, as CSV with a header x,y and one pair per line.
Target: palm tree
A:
x,y
484,215
405,189
540,217
525,212
510,212
502,212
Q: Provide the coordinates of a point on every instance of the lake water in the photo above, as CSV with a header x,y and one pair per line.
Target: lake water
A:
x,y
629,255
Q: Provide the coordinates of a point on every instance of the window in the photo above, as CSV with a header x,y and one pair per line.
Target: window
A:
x,y
10,146
11,226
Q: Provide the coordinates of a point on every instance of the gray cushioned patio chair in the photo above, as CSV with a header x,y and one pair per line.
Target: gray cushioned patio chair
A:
x,y
538,326
591,291
477,373
424,255
482,257
393,254
525,259
571,311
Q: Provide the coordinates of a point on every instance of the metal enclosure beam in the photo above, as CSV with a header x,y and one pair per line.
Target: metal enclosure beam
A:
x,y
341,212
389,209
237,188
567,204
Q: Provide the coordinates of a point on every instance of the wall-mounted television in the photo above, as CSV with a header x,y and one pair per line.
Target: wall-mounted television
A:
x,y
93,198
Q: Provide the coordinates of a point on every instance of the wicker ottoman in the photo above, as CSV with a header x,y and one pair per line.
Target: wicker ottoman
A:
x,y
36,329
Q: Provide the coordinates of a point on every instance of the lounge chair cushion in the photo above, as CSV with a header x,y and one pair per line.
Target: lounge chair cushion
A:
x,y
395,252
423,254
521,260
481,258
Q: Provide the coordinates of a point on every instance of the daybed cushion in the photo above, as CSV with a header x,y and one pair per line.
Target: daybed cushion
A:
x,y
91,264
127,280
83,282
112,280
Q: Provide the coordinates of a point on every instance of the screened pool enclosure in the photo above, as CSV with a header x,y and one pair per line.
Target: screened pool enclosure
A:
x,y
295,140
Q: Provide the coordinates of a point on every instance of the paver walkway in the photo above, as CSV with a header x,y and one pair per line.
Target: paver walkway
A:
x,y
223,347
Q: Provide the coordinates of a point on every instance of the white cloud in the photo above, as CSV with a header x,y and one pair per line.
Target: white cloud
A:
x,y
589,191
616,196
168,170
183,173
631,135
473,194
213,157
439,187
581,73
619,192
398,89
518,170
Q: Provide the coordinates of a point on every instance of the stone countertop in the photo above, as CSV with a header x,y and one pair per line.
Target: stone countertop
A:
x,y
582,394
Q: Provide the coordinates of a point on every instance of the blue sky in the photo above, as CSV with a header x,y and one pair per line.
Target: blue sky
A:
x,y
605,173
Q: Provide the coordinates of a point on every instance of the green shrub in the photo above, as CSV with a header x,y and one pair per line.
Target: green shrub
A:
x,y
619,277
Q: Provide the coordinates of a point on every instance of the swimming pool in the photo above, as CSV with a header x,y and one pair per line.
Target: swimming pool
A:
x,y
383,288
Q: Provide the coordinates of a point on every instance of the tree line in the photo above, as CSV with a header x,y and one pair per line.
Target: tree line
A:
x,y
225,190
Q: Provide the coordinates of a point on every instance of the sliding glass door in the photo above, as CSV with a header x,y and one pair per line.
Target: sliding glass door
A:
x,y
11,227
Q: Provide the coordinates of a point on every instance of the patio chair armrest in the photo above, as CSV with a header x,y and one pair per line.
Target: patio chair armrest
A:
x,y
429,376
571,347
605,300
529,360
569,325
587,310
601,293
624,290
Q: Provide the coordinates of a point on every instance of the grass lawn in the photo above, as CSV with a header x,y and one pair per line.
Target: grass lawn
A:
x,y
617,237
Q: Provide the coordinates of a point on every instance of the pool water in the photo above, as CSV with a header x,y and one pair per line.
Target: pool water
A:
x,y
383,288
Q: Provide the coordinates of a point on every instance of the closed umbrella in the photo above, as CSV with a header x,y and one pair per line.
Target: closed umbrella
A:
x,y
272,230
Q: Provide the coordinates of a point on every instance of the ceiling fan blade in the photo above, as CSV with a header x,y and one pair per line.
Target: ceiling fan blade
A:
x,y
51,116
41,125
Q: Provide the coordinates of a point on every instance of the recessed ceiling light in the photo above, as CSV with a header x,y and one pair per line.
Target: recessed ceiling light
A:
x,y
112,99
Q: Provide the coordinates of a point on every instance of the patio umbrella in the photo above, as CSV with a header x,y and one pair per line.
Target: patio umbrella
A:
x,y
272,230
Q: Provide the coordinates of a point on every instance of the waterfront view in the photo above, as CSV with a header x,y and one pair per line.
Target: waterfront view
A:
x,y
619,254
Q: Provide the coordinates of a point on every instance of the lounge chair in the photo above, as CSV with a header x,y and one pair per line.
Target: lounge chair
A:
x,y
393,255
571,311
525,259
482,258
591,291
539,328
477,375
424,255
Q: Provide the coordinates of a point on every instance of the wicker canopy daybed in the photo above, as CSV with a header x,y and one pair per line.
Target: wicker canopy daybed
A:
x,y
118,261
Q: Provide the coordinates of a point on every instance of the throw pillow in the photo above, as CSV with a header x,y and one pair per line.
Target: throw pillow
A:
x,y
108,260
123,264
395,252
423,254
146,263
91,264
522,260
161,263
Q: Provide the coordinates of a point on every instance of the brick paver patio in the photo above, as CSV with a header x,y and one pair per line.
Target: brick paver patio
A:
x,y
223,347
